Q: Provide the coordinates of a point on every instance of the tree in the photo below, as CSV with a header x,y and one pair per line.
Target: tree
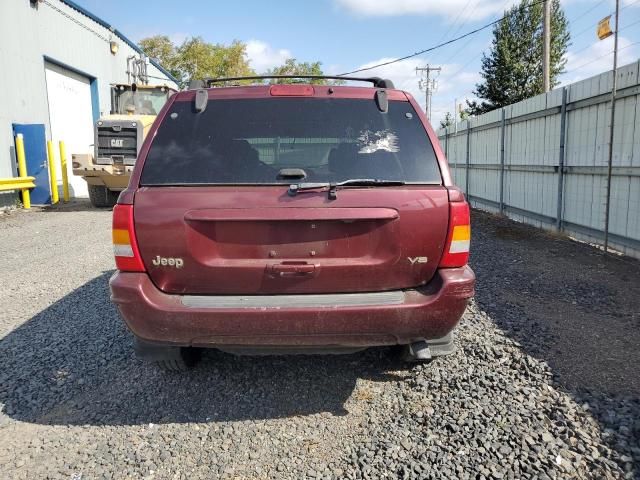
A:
x,y
447,121
160,47
292,67
512,71
196,59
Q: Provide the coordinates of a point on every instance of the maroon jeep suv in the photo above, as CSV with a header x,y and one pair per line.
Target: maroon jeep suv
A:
x,y
291,218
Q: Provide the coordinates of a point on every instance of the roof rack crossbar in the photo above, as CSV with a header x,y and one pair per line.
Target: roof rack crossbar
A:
x,y
376,81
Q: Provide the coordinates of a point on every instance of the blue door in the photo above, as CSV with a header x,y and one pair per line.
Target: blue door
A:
x,y
35,152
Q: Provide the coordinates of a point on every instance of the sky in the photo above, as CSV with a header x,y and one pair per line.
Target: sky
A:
x,y
349,34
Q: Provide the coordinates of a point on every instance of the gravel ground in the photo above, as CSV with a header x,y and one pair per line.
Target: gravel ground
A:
x,y
544,383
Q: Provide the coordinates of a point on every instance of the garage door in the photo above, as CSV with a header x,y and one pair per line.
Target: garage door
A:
x,y
70,117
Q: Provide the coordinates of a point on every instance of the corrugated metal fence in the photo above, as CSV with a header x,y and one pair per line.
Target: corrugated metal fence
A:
x,y
543,161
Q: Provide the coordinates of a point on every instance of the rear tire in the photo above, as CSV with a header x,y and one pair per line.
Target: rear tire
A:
x,y
102,197
185,359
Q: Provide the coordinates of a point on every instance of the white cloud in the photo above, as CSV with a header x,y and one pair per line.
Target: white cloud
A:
x,y
598,58
452,83
262,56
451,9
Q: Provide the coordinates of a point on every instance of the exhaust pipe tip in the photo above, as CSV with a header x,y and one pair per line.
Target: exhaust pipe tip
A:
x,y
417,352
427,350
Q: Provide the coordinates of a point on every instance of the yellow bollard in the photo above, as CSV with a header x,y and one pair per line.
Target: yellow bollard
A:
x,y
65,176
22,169
53,176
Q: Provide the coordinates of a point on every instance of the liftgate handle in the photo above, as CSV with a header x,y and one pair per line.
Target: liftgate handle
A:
x,y
292,269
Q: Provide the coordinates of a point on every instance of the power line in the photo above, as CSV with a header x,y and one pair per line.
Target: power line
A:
x,y
582,31
76,21
440,45
601,56
589,11
587,29
454,22
467,44
475,57
595,24
472,59
465,65
590,27
575,53
630,25
591,45
582,49
465,18
468,18
629,4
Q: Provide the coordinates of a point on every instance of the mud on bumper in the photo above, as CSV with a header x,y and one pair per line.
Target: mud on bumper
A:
x,y
355,320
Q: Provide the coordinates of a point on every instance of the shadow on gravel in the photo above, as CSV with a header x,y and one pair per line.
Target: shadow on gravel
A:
x,y
75,205
569,305
73,364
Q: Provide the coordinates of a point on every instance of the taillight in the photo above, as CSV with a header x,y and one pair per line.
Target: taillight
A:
x,y
125,246
456,250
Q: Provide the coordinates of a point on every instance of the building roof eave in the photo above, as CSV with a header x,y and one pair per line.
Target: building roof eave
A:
x,y
119,34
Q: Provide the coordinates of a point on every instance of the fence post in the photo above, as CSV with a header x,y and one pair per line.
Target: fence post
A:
x,y
563,123
446,142
502,136
466,190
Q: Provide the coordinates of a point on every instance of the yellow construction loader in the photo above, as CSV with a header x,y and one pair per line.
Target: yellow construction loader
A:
x,y
118,137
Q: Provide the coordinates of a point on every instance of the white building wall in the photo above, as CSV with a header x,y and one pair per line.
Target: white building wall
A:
x,y
57,32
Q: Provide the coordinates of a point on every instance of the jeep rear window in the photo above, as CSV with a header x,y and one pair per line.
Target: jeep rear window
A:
x,y
249,141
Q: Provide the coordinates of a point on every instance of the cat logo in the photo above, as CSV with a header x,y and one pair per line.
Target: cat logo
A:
x,y
414,260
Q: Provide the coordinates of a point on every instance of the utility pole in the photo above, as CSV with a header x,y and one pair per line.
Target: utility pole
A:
x,y
428,84
613,116
546,45
455,114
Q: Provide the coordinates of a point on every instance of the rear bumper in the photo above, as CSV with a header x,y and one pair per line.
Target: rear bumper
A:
x,y
347,320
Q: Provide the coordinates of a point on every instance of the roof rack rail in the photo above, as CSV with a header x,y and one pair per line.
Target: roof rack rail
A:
x,y
208,82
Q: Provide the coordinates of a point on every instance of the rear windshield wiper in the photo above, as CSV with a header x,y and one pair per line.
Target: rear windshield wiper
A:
x,y
353,182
